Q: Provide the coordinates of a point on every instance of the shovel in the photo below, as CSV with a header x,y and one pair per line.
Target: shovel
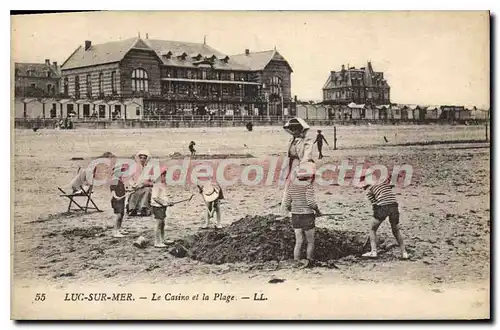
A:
x,y
326,214
184,200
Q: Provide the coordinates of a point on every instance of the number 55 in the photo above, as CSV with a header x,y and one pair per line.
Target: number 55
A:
x,y
40,297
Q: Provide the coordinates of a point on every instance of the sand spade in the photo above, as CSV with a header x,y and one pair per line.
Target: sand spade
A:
x,y
184,200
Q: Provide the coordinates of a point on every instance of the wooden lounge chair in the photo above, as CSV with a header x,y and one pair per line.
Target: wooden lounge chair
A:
x,y
83,193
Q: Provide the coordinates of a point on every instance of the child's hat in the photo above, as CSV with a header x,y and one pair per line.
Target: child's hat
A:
x,y
210,192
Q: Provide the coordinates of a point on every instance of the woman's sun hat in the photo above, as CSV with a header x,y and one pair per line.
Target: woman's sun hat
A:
x,y
296,122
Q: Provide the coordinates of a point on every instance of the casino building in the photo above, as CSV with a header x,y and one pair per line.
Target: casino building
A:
x,y
149,78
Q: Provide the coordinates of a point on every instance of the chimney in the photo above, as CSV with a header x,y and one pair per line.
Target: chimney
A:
x,y
247,51
55,65
88,44
343,67
47,61
147,35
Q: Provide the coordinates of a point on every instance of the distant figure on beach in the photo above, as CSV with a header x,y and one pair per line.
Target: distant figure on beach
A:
x,y
319,140
249,126
191,148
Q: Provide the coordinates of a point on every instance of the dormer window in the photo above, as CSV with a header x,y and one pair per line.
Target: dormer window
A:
x,y
197,57
182,56
213,58
225,59
168,55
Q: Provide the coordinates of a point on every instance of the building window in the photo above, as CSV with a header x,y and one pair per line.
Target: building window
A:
x,y
33,85
70,109
77,86
275,85
48,74
102,111
49,88
231,77
139,80
137,111
101,84
89,86
66,86
86,110
113,82
53,111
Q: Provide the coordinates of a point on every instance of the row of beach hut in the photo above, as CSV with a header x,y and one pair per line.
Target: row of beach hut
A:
x,y
50,108
355,111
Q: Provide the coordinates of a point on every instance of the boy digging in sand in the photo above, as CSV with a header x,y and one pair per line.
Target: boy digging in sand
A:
x,y
299,200
384,205
159,204
212,194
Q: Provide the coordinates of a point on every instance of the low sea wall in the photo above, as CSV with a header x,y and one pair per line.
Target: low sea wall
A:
x,y
133,123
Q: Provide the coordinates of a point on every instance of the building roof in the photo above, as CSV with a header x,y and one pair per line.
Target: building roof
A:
x,y
37,70
170,53
179,47
108,52
192,50
257,61
350,76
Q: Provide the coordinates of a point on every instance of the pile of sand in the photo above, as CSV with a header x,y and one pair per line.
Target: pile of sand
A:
x,y
256,239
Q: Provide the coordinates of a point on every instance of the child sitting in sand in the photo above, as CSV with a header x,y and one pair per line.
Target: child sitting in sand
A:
x,y
159,204
299,200
384,205
212,194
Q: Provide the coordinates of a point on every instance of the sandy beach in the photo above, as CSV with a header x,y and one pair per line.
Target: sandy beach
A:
x,y
445,220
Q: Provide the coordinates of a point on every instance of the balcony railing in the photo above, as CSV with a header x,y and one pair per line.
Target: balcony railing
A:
x,y
211,98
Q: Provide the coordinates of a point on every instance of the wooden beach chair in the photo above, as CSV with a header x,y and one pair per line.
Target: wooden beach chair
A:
x,y
85,194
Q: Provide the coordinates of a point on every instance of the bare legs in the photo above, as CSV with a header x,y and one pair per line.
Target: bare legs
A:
x,y
213,207
118,225
299,241
160,233
397,234
373,239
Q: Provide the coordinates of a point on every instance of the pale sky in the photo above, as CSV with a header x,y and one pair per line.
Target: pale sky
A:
x,y
427,57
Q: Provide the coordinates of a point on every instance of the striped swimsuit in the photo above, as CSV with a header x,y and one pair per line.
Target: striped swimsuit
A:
x,y
300,198
381,194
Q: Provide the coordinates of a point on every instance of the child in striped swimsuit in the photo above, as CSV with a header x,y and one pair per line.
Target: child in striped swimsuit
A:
x,y
300,201
384,205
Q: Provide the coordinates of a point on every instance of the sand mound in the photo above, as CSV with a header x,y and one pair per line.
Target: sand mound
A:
x,y
256,239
